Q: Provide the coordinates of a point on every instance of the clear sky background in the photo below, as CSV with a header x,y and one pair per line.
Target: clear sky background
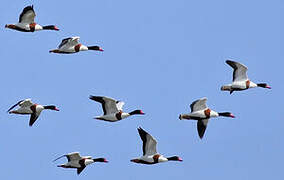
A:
x,y
159,57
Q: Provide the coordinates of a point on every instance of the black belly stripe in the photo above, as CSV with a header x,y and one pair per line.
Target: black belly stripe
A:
x,y
145,162
21,29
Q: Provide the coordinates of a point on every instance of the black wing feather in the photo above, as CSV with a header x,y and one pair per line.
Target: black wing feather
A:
x,y
201,128
82,163
25,10
60,158
64,41
14,105
100,100
143,137
33,119
234,66
192,104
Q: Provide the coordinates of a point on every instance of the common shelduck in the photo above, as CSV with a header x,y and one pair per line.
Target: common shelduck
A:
x,y
28,107
240,79
150,155
78,162
201,113
112,109
72,45
26,22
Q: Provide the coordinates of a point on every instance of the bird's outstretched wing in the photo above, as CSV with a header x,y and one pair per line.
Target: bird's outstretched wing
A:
x,y
64,41
14,105
201,127
240,71
80,169
119,105
26,103
27,15
22,103
33,118
149,143
74,156
109,105
198,105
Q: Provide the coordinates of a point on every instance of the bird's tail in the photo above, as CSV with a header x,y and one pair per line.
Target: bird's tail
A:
x,y
184,116
226,88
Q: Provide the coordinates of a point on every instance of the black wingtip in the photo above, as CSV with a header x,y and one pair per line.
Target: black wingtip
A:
x,y
140,128
141,131
201,134
231,63
59,158
26,9
92,97
30,7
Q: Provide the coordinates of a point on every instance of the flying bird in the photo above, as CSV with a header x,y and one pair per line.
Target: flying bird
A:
x,y
201,113
78,162
28,107
150,154
240,79
112,109
71,45
27,24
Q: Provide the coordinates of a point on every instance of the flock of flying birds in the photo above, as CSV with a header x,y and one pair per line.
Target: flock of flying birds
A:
x,y
112,108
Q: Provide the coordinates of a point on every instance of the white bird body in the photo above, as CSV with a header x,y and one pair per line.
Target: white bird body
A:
x,y
75,162
150,154
112,109
243,85
28,110
69,45
240,79
78,162
27,24
28,107
72,45
89,161
71,49
113,117
201,113
150,158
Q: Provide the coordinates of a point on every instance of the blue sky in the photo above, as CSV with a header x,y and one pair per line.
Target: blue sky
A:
x,y
159,57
